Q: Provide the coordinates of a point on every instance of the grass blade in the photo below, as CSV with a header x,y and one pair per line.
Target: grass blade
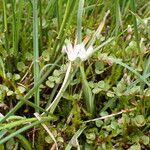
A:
x,y
2,68
59,12
87,92
23,129
14,25
76,135
118,17
79,21
36,50
86,89
133,8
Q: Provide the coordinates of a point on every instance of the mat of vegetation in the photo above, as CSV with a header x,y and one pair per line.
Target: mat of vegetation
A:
x,y
74,74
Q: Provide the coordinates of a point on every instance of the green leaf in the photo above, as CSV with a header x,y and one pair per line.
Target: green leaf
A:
x,y
21,89
139,120
87,91
99,123
89,141
145,140
9,75
50,84
103,85
135,147
99,67
96,90
91,84
28,56
114,125
90,136
104,113
58,80
9,93
2,67
57,73
51,79
120,89
110,94
48,140
16,77
21,66
46,55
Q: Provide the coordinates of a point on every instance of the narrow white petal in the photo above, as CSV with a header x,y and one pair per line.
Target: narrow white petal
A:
x,y
90,50
69,47
72,56
64,49
72,53
79,47
77,51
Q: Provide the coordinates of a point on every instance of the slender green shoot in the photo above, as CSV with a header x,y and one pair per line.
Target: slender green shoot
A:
x,y
14,28
118,23
133,8
36,50
79,21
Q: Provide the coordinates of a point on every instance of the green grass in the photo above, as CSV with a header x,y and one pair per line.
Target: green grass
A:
x,y
36,49
99,103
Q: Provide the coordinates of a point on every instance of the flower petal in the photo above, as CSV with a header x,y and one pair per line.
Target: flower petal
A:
x,y
90,50
69,47
77,51
82,52
72,53
64,49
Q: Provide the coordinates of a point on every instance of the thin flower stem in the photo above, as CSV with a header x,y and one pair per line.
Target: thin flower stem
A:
x,y
112,115
55,102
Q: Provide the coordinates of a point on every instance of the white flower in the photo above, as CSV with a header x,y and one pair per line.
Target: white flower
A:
x,y
76,51
71,51
83,53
